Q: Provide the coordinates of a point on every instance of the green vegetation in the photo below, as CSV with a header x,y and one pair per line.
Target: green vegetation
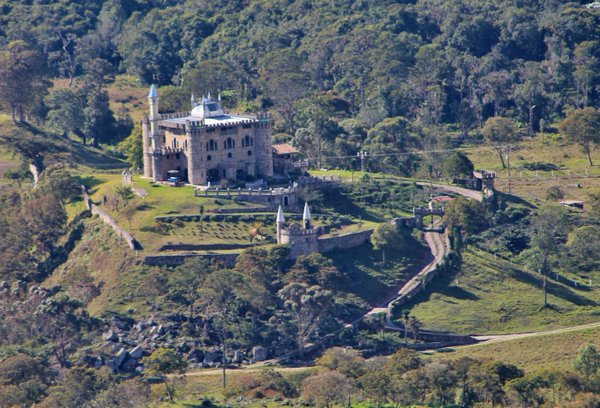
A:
x,y
491,295
406,90
539,353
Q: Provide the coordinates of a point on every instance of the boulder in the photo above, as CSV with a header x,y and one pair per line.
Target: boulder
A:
x,y
260,353
211,357
122,323
120,358
183,347
110,336
238,357
136,352
98,361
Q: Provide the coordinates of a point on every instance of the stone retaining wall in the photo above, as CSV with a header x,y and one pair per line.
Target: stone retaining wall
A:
x,y
345,241
104,216
176,260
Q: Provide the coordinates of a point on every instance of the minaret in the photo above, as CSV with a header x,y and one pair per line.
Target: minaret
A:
x,y
280,222
153,117
193,101
306,217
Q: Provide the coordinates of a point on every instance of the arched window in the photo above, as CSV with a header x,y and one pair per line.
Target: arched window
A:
x,y
249,152
229,155
185,144
208,158
228,143
212,145
246,141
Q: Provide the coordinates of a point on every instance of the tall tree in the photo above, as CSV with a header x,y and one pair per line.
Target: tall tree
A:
x,y
23,80
222,297
549,228
167,364
384,237
307,306
582,126
498,132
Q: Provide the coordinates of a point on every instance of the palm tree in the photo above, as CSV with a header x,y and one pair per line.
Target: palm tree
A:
x,y
256,232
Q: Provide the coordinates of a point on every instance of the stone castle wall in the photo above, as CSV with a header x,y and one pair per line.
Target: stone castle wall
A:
x,y
345,241
104,216
176,260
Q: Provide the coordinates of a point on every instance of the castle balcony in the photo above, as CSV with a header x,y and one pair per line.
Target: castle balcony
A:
x,y
166,150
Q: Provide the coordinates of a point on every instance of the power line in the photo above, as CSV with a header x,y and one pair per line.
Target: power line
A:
x,y
399,154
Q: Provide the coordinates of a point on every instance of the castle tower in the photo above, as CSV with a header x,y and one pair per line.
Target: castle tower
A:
x,y
280,222
153,134
306,217
146,147
154,116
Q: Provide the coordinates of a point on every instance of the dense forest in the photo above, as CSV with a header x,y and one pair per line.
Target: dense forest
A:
x,y
342,76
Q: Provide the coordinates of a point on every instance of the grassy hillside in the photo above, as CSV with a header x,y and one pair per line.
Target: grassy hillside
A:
x,y
540,163
490,295
534,354
102,270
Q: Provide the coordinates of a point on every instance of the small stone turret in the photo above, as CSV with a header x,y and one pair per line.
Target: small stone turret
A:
x,y
280,223
302,240
306,217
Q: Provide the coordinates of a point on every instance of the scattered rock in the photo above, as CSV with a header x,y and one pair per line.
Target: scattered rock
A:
x,y
238,357
98,361
260,353
110,336
120,358
136,353
211,357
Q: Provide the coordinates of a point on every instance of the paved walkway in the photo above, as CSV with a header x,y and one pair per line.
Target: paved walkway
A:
x,y
438,249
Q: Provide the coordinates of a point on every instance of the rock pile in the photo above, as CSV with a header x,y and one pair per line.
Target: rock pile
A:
x,y
126,341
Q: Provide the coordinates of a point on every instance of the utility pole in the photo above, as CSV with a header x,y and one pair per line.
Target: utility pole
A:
x,y
362,155
508,167
531,108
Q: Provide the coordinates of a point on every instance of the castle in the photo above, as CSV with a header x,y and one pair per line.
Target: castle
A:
x,y
206,144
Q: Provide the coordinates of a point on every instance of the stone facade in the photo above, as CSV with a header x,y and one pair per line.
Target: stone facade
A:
x,y
300,240
206,144
345,241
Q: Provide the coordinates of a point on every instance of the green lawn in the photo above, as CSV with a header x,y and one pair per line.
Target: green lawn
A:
x,y
490,295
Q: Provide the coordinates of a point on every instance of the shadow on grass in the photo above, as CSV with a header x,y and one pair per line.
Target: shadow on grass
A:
x,y
553,288
88,181
509,198
459,293
374,282
342,204
83,154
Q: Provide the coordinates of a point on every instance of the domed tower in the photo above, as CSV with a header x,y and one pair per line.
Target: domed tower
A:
x,y
150,133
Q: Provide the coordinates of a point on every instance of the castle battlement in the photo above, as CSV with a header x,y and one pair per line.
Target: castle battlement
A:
x,y
297,230
240,149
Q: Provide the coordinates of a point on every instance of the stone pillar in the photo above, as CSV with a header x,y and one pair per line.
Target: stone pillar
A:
x,y
195,161
146,146
263,150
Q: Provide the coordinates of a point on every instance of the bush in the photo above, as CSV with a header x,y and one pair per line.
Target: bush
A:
x,y
554,193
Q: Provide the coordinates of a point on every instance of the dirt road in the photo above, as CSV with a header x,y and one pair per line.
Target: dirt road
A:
x,y
493,338
473,194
